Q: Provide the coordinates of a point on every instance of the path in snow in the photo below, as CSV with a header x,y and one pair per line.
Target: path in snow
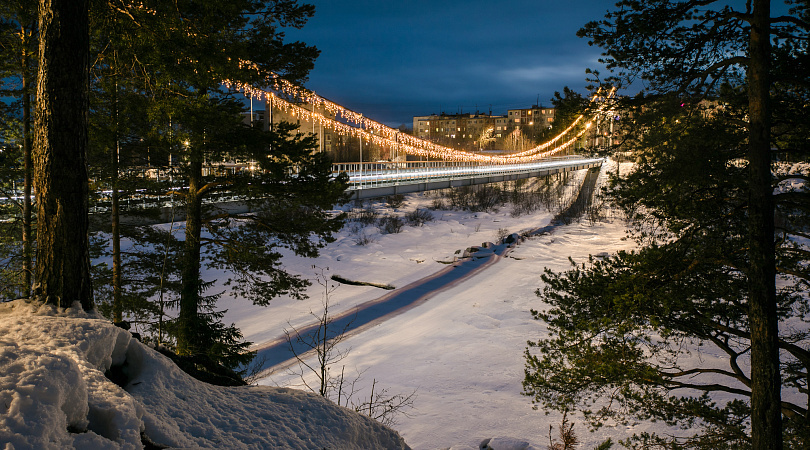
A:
x,y
281,353
278,354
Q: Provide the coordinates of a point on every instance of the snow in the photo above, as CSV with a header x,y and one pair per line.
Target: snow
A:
x,y
462,349
54,395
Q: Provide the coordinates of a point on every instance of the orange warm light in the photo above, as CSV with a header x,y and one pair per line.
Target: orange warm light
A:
x,y
391,138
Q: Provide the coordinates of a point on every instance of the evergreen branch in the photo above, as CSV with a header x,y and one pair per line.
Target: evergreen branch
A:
x,y
795,232
738,372
672,385
792,20
798,352
724,64
213,186
221,216
745,17
795,176
805,254
261,223
800,200
125,12
699,371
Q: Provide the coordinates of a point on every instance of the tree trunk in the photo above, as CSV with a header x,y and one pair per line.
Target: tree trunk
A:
x,y
766,426
115,228
62,274
190,291
28,266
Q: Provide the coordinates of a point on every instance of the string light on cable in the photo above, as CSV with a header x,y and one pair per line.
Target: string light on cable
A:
x,y
390,138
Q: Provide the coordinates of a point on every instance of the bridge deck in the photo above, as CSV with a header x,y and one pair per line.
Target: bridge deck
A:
x,y
368,180
380,179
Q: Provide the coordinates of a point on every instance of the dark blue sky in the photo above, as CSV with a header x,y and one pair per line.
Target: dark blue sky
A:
x,y
391,60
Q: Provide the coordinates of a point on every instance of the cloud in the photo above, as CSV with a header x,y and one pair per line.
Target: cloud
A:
x,y
542,73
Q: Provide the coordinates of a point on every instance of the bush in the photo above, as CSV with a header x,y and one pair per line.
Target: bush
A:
x,y
438,204
418,217
364,239
395,201
486,198
476,198
391,224
365,216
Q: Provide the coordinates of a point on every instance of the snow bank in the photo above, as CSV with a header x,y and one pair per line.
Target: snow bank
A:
x,y
54,394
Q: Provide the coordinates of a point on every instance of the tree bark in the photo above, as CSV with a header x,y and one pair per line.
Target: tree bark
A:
x,y
62,274
115,223
766,419
190,291
28,257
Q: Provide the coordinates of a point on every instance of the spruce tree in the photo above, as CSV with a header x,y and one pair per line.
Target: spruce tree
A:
x,y
18,50
718,97
191,124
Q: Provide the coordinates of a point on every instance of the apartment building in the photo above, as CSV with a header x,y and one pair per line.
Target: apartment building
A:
x,y
536,116
478,131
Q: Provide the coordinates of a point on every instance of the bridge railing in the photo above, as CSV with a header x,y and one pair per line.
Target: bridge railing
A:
x,y
385,173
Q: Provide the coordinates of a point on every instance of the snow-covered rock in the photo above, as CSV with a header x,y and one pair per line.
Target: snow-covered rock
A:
x,y
477,252
54,395
506,443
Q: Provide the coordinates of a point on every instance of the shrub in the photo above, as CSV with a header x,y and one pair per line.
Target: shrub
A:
x,y
437,204
395,201
486,198
391,224
418,217
460,197
364,239
366,216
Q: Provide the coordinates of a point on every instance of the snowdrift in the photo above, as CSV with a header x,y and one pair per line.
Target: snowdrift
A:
x,y
54,394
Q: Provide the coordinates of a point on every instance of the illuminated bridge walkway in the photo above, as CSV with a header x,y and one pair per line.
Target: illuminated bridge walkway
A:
x,y
443,166
368,180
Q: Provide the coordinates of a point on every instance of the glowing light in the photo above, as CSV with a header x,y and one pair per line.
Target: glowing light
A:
x,y
390,138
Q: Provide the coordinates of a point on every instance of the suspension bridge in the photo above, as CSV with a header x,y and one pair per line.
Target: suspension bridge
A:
x,y
445,166
369,180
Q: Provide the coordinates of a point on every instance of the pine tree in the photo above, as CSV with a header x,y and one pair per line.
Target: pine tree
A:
x,y
17,66
62,272
719,94
191,124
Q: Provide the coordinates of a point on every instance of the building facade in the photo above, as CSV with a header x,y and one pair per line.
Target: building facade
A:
x,y
482,131
536,116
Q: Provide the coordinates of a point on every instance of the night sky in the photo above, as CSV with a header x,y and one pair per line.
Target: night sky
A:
x,y
392,60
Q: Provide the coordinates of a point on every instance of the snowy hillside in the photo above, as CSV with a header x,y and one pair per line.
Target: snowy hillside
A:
x,y
462,350
54,395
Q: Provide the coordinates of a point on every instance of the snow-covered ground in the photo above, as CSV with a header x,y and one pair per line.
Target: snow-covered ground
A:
x,y
54,395
462,350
